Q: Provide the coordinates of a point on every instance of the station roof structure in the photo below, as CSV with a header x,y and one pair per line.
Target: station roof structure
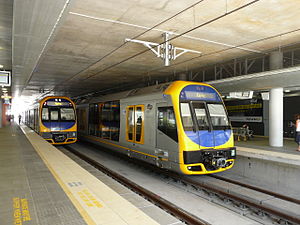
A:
x,y
73,47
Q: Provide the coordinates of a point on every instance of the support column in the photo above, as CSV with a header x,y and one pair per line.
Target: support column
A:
x,y
276,60
276,117
276,104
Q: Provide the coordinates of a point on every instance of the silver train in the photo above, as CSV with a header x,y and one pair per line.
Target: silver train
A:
x,y
181,126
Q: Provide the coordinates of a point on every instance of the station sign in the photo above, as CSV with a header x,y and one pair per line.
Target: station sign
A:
x,y
241,95
5,79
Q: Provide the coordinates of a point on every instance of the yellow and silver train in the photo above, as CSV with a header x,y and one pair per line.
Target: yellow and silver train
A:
x,y
54,118
181,126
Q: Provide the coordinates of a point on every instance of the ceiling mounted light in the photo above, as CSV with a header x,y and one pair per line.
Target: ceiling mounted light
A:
x,y
287,91
1,66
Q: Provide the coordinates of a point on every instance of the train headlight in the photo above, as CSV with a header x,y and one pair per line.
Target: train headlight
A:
x,y
232,152
72,134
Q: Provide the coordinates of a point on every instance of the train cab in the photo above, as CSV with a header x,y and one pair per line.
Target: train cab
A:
x,y
54,118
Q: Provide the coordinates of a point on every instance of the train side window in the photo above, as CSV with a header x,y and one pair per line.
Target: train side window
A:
x,y
139,124
93,119
167,122
45,114
186,117
130,123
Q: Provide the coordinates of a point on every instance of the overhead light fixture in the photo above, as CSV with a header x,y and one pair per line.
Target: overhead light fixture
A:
x,y
287,91
1,66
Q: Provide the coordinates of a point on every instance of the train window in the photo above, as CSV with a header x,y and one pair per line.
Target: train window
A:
x,y
67,114
130,123
139,124
218,115
54,114
186,117
201,116
93,119
167,122
45,114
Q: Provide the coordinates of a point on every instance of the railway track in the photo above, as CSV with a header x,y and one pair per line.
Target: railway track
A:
x,y
263,212
157,200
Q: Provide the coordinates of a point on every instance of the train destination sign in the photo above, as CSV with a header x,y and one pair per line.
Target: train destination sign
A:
x,y
5,78
201,93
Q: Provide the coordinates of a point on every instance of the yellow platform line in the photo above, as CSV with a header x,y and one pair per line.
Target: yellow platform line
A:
x,y
96,202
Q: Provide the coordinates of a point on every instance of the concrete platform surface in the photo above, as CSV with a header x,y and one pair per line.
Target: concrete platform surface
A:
x,y
41,185
29,194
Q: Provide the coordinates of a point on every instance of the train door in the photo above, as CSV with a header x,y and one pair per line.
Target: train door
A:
x,y
205,130
135,124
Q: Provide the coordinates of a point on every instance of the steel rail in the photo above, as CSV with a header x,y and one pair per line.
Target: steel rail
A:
x,y
157,200
277,195
243,200
219,191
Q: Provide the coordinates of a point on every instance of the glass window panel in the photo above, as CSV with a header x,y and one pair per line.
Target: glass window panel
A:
x,y
167,122
45,114
161,119
54,114
67,114
186,116
139,122
201,115
130,123
218,115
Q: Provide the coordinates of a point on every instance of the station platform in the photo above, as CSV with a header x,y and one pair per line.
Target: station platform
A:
x,y
41,185
274,168
258,147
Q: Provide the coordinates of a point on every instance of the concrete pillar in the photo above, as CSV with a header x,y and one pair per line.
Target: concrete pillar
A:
x,y
276,60
276,117
276,105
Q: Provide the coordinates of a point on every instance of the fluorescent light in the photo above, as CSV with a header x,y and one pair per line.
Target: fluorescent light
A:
x,y
287,91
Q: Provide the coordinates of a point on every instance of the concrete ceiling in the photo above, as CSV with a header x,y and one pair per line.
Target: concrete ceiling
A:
x,y
73,47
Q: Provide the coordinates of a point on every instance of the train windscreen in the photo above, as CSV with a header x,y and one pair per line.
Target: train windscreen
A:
x,y
59,110
218,115
203,113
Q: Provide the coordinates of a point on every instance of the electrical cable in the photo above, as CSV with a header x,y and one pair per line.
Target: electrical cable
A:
x,y
137,36
177,36
226,49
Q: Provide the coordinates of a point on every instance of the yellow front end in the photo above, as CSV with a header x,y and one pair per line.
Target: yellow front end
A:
x,y
186,145
58,136
71,134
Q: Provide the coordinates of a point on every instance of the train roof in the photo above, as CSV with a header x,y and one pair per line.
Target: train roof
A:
x,y
155,89
151,90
